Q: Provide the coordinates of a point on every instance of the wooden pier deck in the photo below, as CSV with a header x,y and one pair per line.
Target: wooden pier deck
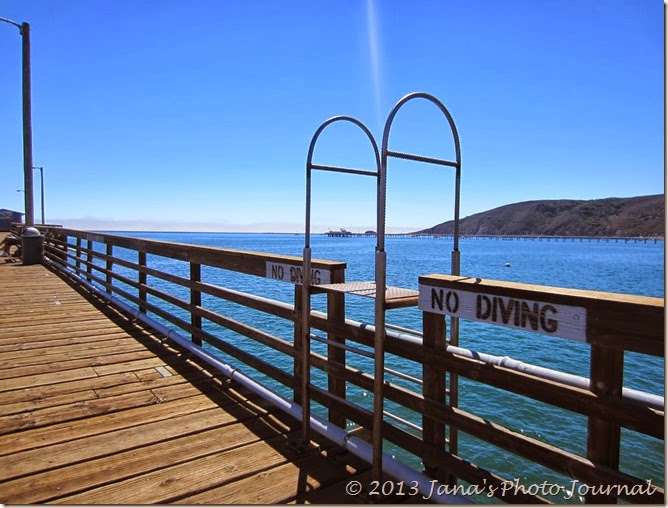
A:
x,y
95,409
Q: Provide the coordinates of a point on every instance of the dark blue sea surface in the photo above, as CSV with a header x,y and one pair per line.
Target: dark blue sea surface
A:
x,y
618,267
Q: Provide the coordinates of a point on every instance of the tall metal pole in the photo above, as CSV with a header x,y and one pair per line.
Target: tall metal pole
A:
x,y
27,128
24,29
42,179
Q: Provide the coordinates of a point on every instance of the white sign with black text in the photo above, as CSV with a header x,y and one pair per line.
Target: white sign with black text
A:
x,y
294,273
564,321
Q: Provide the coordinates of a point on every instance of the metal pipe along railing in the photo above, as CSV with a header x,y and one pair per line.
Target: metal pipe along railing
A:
x,y
428,487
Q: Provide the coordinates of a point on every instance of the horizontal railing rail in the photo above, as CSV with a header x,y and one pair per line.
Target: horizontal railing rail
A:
x,y
181,285
609,323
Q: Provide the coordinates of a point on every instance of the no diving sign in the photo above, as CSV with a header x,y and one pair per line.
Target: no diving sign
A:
x,y
294,273
557,320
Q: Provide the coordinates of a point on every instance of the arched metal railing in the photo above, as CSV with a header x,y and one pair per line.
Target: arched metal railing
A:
x,y
397,297
306,288
455,257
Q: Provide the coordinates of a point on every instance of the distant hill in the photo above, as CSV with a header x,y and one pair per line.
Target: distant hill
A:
x,y
639,216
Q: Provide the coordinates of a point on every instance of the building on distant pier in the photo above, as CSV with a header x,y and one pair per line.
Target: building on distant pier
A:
x,y
340,232
7,217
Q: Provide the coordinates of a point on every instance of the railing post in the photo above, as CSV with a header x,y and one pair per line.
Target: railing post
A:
x,y
297,366
141,280
78,254
453,392
55,246
195,301
336,316
89,260
109,267
433,389
603,438
60,247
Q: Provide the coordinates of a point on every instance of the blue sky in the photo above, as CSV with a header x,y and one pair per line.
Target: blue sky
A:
x,y
197,115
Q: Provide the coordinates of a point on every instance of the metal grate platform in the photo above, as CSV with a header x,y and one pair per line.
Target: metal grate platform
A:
x,y
394,296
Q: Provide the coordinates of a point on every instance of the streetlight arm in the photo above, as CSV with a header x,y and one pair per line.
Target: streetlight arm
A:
x,y
17,25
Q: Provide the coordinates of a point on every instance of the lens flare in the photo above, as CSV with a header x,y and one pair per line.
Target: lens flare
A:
x,y
374,56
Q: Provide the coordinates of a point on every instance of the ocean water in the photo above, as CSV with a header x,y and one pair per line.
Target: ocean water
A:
x,y
619,267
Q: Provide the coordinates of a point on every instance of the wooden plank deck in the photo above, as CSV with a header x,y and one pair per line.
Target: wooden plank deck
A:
x,y
94,409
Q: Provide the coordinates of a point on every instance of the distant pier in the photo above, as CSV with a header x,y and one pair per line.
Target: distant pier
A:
x,y
345,233
540,238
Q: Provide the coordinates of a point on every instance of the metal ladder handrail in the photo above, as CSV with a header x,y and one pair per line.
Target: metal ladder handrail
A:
x,y
385,153
377,438
380,264
306,287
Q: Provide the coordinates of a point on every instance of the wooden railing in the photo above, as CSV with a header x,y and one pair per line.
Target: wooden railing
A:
x,y
129,268
611,324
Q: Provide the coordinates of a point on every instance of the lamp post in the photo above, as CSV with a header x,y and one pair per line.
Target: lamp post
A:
x,y
21,190
24,29
32,246
41,178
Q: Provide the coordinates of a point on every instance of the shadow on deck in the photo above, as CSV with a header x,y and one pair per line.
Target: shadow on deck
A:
x,y
96,409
